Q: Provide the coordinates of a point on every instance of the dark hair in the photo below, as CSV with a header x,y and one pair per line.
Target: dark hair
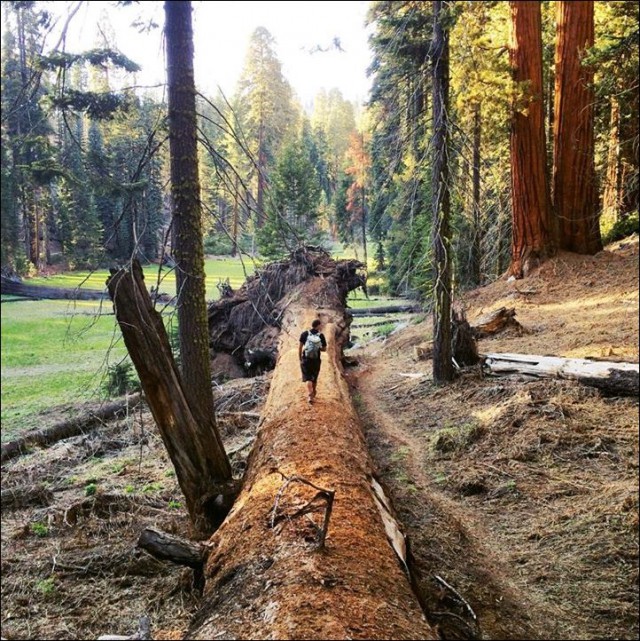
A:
x,y
316,323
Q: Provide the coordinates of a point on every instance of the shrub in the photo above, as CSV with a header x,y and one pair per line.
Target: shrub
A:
x,y
121,378
39,529
90,489
622,228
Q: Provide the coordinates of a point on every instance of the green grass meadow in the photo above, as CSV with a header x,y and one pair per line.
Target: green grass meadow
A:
x,y
216,269
53,353
57,353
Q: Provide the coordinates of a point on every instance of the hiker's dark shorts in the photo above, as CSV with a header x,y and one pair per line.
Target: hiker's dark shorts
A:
x,y
310,369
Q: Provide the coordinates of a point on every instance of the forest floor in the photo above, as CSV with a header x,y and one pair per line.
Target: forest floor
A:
x,y
519,497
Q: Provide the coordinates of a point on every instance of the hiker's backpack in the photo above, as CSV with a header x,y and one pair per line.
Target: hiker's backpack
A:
x,y
312,346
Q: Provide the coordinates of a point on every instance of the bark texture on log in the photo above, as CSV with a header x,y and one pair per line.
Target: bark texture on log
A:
x,y
67,429
266,576
613,379
168,547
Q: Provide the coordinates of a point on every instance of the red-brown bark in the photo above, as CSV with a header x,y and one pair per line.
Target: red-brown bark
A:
x,y
532,239
574,186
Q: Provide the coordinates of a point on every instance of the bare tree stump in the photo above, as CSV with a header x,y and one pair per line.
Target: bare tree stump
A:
x,y
496,321
465,350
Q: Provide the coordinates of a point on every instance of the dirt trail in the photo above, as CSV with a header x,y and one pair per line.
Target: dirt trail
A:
x,y
444,540
521,494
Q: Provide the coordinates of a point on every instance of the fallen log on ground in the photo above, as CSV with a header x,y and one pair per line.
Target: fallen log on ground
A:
x,y
67,429
304,553
389,309
17,498
40,292
612,379
168,547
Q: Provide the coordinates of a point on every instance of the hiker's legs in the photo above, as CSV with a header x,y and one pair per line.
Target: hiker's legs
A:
x,y
310,378
315,379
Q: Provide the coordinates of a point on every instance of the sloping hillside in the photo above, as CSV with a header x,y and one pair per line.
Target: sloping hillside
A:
x,y
521,495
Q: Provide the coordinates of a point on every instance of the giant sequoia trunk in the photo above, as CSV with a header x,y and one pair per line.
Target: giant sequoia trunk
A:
x,y
275,570
574,187
531,240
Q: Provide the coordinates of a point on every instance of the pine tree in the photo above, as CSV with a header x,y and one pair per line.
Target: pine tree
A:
x,y
190,280
443,371
265,110
293,202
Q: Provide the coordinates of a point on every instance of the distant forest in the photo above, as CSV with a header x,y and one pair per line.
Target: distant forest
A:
x,y
541,111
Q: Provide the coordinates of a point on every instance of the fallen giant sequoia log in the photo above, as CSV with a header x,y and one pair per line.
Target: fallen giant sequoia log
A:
x,y
276,569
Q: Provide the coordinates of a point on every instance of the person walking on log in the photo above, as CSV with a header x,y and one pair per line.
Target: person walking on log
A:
x,y
312,342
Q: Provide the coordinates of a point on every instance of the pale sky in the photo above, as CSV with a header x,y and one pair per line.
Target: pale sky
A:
x,y
221,34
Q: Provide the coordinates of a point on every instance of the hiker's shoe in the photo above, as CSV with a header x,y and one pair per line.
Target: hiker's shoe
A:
x,y
309,399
